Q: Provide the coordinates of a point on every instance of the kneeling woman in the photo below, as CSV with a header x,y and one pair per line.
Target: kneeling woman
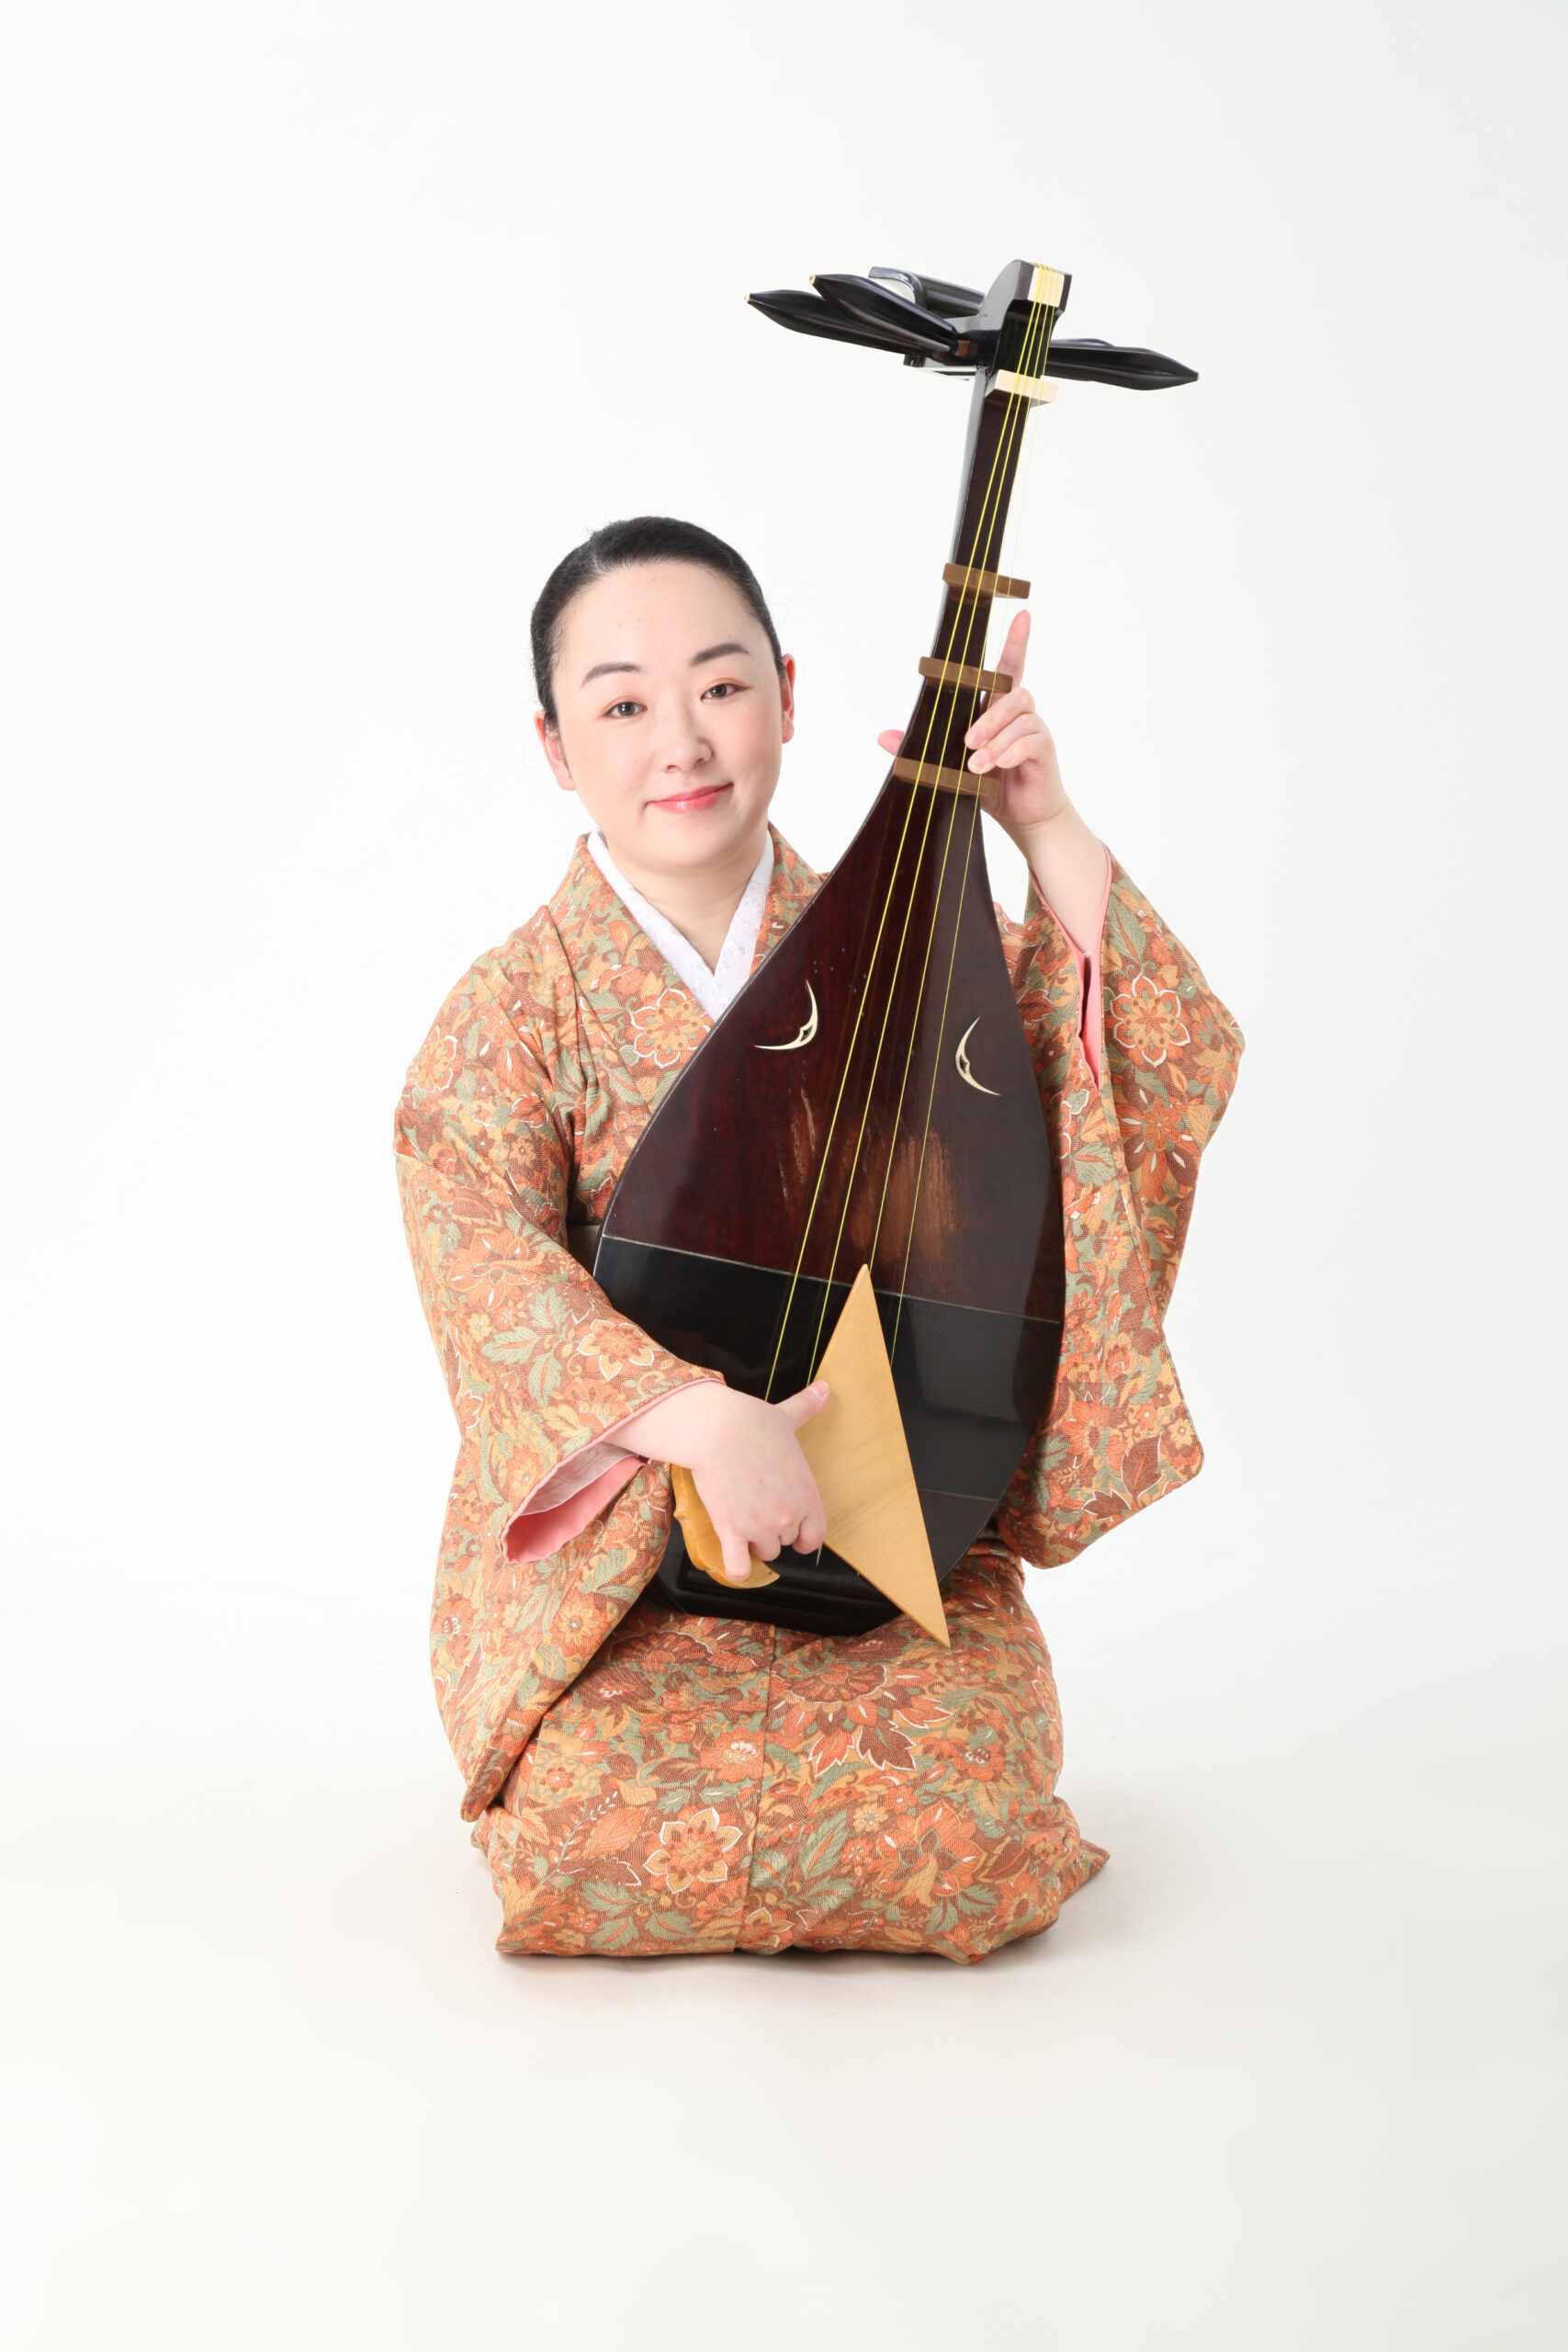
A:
x,y
648,1782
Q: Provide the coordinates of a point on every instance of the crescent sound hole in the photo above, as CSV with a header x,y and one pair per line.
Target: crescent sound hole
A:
x,y
960,1059
809,1029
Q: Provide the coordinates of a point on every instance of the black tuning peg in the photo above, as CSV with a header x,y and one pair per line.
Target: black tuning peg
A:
x,y
1090,361
868,304
934,293
787,306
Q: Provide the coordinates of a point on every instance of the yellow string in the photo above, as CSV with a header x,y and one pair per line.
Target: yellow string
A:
x,y
1018,412
1004,442
941,1026
1036,326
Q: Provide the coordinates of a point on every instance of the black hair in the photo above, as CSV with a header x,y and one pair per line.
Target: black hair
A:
x,y
642,538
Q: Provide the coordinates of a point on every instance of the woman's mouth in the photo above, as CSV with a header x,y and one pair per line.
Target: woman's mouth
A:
x,y
686,804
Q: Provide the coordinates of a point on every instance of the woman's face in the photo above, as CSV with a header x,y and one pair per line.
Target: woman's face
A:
x,y
672,717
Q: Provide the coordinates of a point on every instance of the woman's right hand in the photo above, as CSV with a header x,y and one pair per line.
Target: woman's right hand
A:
x,y
755,1483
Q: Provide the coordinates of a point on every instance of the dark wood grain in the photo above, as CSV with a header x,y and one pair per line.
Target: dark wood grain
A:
x,y
866,1146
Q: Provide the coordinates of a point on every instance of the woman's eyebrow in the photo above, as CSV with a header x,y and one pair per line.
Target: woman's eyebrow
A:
x,y
708,653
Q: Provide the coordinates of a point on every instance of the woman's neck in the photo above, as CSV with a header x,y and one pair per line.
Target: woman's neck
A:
x,y
700,901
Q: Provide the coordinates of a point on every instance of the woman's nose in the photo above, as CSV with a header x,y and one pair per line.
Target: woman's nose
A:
x,y
681,741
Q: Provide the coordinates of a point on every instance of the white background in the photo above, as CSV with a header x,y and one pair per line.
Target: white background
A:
x,y
330,328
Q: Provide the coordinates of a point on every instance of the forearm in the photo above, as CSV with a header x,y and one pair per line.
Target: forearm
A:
x,y
672,1429
1068,862
586,1482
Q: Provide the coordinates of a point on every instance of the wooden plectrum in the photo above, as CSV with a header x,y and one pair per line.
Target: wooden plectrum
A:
x,y
859,1459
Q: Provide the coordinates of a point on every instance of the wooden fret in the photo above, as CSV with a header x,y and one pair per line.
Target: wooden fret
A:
x,y
959,780
961,673
971,583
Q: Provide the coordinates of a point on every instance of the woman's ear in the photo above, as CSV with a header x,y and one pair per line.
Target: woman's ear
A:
x,y
786,696
549,737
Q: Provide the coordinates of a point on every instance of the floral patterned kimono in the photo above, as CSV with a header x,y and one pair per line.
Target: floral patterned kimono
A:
x,y
646,1782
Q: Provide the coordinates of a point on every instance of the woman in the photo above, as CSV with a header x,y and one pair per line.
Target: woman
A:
x,y
643,1780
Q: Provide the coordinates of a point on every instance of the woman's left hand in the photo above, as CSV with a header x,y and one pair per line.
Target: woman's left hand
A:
x,y
1010,741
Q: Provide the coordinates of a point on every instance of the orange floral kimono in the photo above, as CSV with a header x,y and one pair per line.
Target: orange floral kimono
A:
x,y
645,1781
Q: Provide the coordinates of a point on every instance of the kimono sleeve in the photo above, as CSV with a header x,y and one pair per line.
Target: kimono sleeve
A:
x,y
538,1363
1170,1051
1117,1435
1171,1057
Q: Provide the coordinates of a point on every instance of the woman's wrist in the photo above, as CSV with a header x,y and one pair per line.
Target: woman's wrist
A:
x,y
1067,861
674,1427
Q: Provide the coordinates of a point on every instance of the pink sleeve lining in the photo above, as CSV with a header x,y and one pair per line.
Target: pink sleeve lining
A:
x,y
1091,1020
533,1534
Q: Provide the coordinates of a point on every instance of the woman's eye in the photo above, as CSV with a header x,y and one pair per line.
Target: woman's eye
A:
x,y
726,686
623,710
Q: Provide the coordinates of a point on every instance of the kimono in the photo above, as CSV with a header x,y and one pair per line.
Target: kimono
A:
x,y
645,1781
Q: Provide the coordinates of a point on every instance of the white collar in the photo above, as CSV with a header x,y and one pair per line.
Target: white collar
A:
x,y
715,991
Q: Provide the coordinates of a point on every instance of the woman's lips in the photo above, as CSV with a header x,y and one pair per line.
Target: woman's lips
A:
x,y
682,804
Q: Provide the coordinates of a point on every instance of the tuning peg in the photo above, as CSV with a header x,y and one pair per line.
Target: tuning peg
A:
x,y
806,314
871,305
1090,361
937,294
